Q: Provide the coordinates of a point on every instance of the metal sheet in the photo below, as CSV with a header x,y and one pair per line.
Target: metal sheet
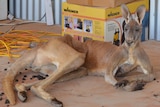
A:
x,y
3,9
154,27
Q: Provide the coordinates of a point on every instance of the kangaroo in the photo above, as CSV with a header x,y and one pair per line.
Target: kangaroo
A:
x,y
75,59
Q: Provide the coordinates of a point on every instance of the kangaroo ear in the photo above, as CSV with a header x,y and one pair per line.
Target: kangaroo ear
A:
x,y
125,12
140,13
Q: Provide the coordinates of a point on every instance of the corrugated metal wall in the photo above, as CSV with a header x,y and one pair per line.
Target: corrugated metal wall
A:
x,y
34,9
154,20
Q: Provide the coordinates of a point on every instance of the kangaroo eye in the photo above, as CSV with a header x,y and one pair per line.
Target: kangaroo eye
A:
x,y
125,29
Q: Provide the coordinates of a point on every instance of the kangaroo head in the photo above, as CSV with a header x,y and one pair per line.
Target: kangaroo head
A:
x,y
133,27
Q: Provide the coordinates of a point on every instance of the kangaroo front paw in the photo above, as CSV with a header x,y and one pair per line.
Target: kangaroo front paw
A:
x,y
122,83
57,103
22,96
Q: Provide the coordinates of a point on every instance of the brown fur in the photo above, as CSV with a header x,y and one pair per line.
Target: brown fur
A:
x,y
96,58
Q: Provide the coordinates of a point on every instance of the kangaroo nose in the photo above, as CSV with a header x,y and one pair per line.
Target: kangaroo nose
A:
x,y
129,42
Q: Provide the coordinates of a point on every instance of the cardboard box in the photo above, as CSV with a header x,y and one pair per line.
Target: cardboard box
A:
x,y
104,24
102,3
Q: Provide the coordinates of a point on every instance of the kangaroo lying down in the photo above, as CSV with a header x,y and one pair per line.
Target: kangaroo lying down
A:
x,y
98,58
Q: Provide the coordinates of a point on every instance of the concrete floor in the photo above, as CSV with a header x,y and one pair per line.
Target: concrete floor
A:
x,y
90,91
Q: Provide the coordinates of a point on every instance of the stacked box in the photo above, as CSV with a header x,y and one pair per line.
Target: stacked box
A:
x,y
99,23
101,3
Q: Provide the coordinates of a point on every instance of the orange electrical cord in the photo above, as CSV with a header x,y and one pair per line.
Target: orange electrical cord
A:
x,y
19,40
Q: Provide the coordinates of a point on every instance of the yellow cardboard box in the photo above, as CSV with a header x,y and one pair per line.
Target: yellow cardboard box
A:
x,y
100,3
97,23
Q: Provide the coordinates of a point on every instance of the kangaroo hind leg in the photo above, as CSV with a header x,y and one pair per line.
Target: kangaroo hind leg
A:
x,y
80,72
70,64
